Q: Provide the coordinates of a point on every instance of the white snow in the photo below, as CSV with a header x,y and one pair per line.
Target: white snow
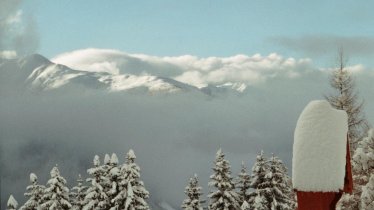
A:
x,y
33,178
319,148
106,159
114,159
12,202
131,154
367,196
96,160
240,87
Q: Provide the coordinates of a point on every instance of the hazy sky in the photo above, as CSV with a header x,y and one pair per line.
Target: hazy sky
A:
x,y
207,27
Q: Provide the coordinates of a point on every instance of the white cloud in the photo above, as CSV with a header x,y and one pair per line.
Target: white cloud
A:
x,y
354,69
17,32
187,68
14,18
8,54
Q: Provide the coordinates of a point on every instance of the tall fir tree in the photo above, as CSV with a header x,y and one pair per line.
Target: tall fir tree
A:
x,y
346,98
35,193
132,193
112,174
225,197
56,194
193,192
96,198
12,204
77,194
106,182
279,192
259,171
243,184
367,195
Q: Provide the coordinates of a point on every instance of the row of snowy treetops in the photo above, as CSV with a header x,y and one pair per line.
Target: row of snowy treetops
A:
x,y
113,186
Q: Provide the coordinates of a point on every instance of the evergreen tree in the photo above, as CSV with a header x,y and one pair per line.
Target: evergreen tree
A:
x,y
132,193
245,206
105,173
243,184
96,198
367,195
259,171
363,166
346,99
56,194
77,194
106,159
260,202
113,173
363,158
193,192
225,198
12,204
35,193
279,192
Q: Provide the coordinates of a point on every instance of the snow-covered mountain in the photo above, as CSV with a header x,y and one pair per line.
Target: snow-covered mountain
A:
x,y
37,73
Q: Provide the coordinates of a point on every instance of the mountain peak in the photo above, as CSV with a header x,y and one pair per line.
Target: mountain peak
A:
x,y
33,61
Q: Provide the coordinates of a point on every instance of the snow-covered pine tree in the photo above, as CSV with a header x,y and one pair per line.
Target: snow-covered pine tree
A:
x,y
259,171
106,183
132,193
225,197
56,194
346,98
106,159
363,166
77,194
112,174
363,159
367,195
260,202
193,192
243,184
278,191
96,198
245,206
34,192
12,204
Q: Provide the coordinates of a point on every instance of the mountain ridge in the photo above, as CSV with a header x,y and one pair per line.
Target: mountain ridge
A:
x,y
37,73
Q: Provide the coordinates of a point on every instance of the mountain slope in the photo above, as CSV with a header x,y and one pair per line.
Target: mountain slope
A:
x,y
37,73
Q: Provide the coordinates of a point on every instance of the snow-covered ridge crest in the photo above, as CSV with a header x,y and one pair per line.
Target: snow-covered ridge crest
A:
x,y
37,73
319,148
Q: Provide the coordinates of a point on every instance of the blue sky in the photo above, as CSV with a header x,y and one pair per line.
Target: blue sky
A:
x,y
205,27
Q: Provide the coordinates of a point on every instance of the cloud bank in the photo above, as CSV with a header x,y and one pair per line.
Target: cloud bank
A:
x,y
319,45
18,31
187,68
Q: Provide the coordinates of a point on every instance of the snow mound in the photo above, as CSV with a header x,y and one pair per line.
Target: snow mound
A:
x,y
319,148
131,154
12,202
114,159
33,178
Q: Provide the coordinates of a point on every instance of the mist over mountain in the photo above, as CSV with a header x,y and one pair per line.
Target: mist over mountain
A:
x,y
65,111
